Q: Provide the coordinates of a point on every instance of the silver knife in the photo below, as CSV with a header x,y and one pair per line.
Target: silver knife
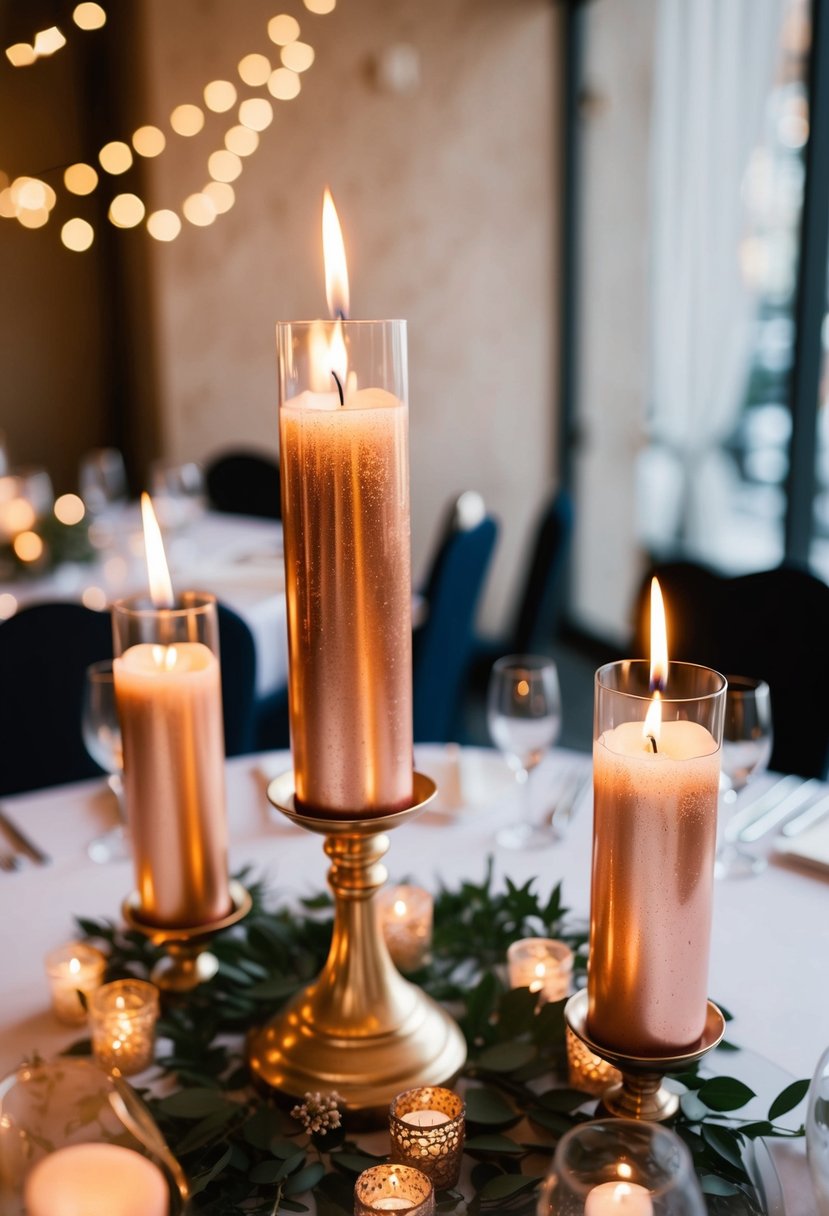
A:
x,y
813,814
22,842
781,810
758,803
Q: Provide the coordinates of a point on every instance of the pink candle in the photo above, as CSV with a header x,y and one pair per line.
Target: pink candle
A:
x,y
96,1179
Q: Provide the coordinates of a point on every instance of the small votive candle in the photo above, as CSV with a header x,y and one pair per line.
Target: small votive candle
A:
x,y
96,1180
618,1199
426,1129
122,1018
72,969
406,920
541,964
393,1188
587,1070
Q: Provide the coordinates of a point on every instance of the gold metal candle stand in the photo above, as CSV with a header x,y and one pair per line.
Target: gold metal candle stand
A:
x,y
361,1028
188,961
641,1093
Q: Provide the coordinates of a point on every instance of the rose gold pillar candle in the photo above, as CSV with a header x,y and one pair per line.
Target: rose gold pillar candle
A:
x,y
169,696
656,767
345,517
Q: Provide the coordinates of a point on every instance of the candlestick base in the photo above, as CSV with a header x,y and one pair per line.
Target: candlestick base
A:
x,y
361,1028
187,962
641,1093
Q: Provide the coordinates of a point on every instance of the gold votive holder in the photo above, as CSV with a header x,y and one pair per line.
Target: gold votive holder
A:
x,y
122,1018
393,1188
541,964
74,969
426,1128
406,915
587,1070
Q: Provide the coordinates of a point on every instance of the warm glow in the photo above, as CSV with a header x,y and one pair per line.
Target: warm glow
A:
x,y
7,207
94,598
74,965
399,907
164,225
21,55
199,210
284,84
298,56
256,113
652,729
659,640
242,141
221,195
8,606
77,235
187,120
115,157
161,589
28,193
28,546
254,69
320,7
80,179
69,509
48,41
33,219
18,515
283,29
224,166
89,16
149,141
126,210
333,249
522,688
219,96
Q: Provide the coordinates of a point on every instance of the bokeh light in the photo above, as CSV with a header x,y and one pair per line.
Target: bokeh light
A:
x,y
219,96
149,141
241,140
8,606
164,225
77,235
80,178
320,7
89,16
199,210
221,195
126,210
284,84
254,69
33,219
256,113
187,120
48,41
298,56
224,166
115,157
21,55
28,546
69,509
94,598
283,29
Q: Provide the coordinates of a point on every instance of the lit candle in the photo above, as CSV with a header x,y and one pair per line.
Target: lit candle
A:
x,y
343,425
122,1018
393,1188
168,689
425,1118
427,1128
72,969
586,1070
406,915
541,964
618,1199
96,1180
656,766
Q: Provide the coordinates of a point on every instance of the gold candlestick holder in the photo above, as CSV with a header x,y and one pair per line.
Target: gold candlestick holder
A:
x,y
641,1093
361,1028
187,961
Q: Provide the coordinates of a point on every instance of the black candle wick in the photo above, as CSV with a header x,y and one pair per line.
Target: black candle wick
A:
x,y
339,387
652,739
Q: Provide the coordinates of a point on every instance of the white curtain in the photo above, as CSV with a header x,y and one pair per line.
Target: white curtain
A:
x,y
714,66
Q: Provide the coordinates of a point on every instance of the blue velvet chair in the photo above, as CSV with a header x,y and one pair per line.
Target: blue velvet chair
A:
x,y
243,482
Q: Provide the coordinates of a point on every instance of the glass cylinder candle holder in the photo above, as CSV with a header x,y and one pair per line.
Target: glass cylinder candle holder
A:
x,y
393,1188
656,770
169,695
406,914
541,964
91,1179
587,1071
122,1018
73,969
344,460
427,1128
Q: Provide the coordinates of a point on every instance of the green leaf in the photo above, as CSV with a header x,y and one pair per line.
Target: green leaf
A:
x,y
487,1106
196,1103
725,1093
724,1143
791,1096
493,1143
201,1180
563,1099
355,1163
516,1012
712,1184
276,1170
305,1179
506,1185
204,1132
506,1057
752,1130
291,1205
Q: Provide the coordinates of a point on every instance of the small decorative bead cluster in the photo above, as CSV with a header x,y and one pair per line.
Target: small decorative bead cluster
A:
x,y
319,1113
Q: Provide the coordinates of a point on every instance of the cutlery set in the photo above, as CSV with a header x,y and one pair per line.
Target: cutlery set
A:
x,y
791,804
22,847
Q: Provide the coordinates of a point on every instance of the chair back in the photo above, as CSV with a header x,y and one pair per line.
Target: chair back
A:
x,y
771,625
244,483
237,650
541,598
442,645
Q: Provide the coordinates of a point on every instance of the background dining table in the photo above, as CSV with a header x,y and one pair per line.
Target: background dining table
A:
x,y
770,941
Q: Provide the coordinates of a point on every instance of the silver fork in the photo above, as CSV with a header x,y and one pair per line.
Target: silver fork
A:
x,y
565,806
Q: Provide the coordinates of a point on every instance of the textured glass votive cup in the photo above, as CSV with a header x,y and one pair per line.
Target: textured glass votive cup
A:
x,y
541,964
427,1128
122,1019
71,969
406,915
587,1070
393,1188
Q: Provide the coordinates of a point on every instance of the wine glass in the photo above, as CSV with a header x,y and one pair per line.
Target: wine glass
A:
x,y
102,480
746,750
524,718
178,492
102,739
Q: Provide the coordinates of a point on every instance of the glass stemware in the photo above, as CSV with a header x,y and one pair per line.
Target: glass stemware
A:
x,y
178,493
817,1133
102,480
746,750
102,739
524,718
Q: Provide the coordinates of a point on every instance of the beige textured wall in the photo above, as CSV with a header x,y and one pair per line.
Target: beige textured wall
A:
x,y
447,199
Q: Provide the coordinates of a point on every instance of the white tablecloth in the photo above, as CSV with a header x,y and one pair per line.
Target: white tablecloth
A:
x,y
238,559
770,940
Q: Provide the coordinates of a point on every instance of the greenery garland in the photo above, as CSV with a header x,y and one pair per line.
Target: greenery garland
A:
x,y
242,1152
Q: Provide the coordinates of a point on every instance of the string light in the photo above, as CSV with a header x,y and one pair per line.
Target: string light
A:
x,y
48,41
149,141
115,157
242,140
199,210
164,225
219,96
320,7
284,84
80,178
187,120
256,113
254,70
221,195
283,29
126,210
77,235
224,166
89,16
298,56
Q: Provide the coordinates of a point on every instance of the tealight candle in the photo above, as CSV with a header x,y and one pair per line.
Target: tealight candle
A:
x,y
406,920
72,969
393,1188
587,1070
426,1129
541,964
618,1199
123,1017
96,1180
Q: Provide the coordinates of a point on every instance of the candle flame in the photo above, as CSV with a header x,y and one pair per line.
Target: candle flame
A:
x,y
161,589
652,728
659,640
74,965
336,269
400,907
337,356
